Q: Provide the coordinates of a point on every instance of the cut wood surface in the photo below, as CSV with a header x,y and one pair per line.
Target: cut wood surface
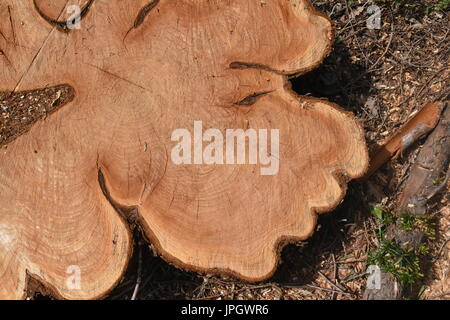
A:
x,y
139,71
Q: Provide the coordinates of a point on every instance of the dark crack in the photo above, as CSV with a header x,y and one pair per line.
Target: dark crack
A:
x,y
128,214
251,99
142,14
64,25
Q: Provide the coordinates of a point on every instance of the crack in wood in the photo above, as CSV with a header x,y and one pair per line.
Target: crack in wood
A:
x,y
128,214
245,65
142,14
12,25
251,99
117,76
63,26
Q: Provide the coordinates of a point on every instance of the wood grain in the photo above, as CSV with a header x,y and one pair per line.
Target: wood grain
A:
x,y
134,83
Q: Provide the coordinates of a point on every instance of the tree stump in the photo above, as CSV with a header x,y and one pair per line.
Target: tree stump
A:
x,y
140,70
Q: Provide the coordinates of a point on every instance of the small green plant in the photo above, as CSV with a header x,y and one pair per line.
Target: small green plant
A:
x,y
439,181
406,222
440,6
412,6
401,261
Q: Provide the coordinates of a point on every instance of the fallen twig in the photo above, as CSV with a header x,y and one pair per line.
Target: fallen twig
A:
x,y
428,176
418,126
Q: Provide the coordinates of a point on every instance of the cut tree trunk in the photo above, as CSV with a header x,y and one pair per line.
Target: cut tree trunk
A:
x,y
141,70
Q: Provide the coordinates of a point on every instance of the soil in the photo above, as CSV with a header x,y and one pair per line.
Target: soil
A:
x,y
383,76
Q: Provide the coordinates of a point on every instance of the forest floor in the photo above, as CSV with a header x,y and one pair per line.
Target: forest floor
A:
x,y
383,76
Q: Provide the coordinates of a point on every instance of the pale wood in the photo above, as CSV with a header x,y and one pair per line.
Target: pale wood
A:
x,y
137,79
